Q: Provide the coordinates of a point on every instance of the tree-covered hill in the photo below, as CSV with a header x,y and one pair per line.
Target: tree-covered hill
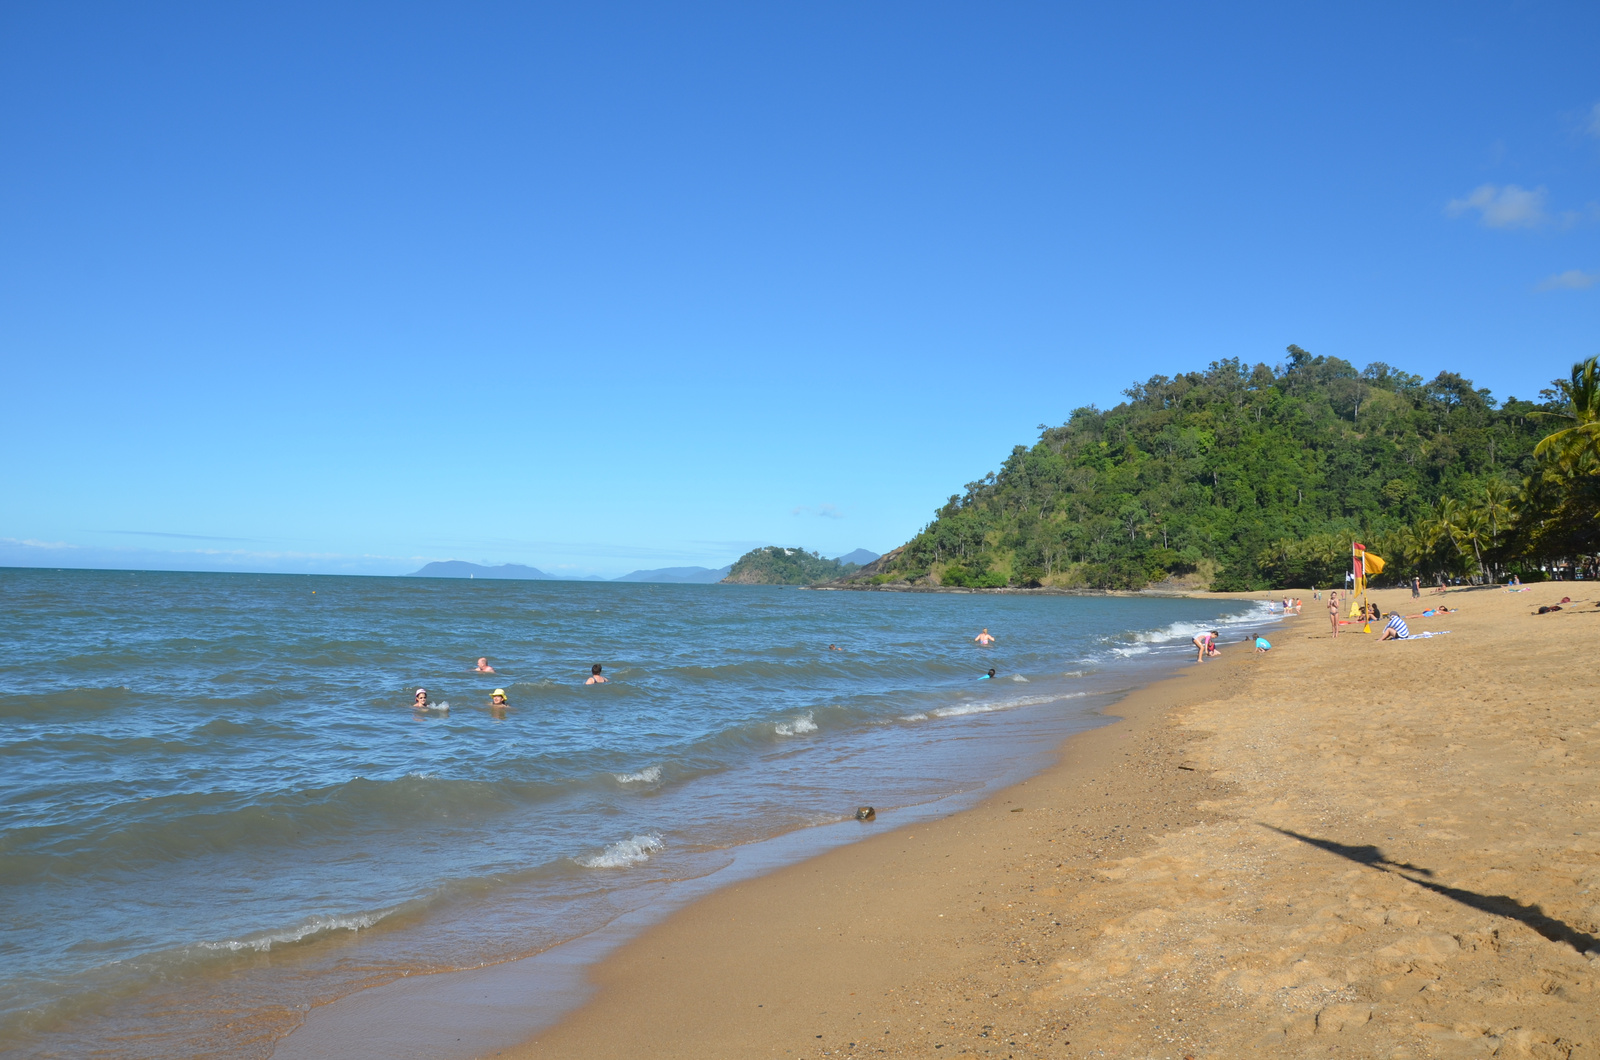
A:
x,y
1258,476
785,566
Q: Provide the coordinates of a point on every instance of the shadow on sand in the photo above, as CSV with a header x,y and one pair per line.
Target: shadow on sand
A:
x,y
1498,904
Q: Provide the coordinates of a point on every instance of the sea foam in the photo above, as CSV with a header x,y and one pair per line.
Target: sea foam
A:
x,y
802,724
648,775
1178,632
317,925
625,852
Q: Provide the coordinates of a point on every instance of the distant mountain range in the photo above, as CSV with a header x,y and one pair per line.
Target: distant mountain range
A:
x,y
681,575
456,568
860,557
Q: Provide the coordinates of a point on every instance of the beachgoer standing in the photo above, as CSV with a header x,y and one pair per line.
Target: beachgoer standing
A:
x,y
1206,643
984,639
594,676
1333,611
1416,587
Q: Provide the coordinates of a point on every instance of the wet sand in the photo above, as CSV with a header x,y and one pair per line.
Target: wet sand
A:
x,y
1338,848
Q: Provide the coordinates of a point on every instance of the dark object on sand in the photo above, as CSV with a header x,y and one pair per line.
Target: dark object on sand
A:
x,y
1547,610
866,813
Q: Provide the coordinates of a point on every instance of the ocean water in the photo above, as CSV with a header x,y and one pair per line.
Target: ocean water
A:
x,y
220,810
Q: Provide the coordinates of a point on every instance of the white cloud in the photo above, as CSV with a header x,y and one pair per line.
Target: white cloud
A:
x,y
1507,207
826,511
1594,120
1571,280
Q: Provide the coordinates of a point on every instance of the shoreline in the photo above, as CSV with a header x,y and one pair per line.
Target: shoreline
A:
x,y
1320,847
540,991
771,953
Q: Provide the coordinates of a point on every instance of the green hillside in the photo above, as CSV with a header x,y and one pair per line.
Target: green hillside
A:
x,y
785,566
1251,477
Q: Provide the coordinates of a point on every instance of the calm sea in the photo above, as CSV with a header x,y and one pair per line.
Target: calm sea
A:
x,y
221,811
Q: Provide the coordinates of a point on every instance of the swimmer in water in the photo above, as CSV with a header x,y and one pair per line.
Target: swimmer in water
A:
x,y
988,675
497,698
594,676
420,700
984,638
834,647
483,667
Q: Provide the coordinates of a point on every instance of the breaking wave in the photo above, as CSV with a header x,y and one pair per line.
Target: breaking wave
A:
x,y
626,852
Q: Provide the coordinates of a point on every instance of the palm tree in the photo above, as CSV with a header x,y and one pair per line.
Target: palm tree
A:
x,y
1497,507
1497,497
1582,392
1472,528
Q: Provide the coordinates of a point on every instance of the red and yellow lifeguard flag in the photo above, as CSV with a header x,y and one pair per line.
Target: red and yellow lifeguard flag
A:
x,y
1363,562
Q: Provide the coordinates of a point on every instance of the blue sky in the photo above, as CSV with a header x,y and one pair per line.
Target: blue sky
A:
x,y
345,287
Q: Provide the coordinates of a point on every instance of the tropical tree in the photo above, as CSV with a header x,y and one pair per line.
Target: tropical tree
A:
x,y
1472,528
1571,444
1498,496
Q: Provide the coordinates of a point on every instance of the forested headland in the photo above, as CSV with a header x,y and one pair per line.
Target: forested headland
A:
x,y
1257,477
774,565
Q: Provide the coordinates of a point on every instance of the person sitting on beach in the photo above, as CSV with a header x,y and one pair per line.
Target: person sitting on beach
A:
x,y
483,667
1396,629
594,676
1262,644
1207,645
988,675
984,638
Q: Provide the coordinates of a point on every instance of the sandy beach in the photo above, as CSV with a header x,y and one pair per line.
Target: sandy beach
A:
x,y
1337,848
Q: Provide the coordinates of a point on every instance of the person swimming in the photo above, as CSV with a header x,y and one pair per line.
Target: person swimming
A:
x,y
420,700
985,638
483,667
497,698
987,676
594,676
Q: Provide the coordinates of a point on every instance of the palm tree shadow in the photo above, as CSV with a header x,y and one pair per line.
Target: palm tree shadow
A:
x,y
1497,904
